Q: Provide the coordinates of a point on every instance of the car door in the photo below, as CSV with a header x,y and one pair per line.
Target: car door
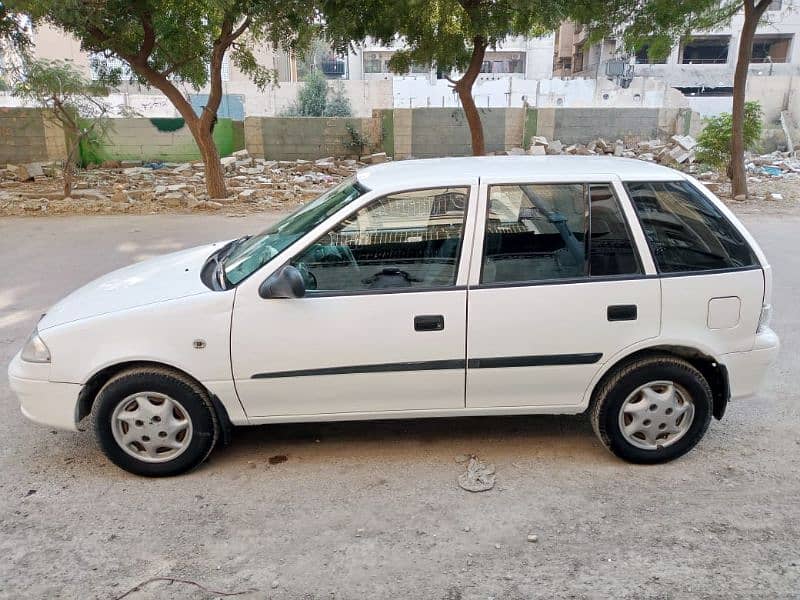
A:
x,y
557,288
382,326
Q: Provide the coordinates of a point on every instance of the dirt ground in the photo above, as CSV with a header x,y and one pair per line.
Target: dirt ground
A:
x,y
373,510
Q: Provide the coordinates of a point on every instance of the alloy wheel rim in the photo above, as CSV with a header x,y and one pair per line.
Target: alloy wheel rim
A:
x,y
151,427
656,415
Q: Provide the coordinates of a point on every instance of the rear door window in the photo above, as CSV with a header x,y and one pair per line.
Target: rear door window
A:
x,y
685,231
544,232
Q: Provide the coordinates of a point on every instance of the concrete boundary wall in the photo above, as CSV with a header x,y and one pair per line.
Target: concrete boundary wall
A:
x,y
433,132
140,139
309,138
401,133
30,135
582,125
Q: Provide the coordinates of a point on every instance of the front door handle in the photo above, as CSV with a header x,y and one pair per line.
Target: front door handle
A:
x,y
428,323
622,312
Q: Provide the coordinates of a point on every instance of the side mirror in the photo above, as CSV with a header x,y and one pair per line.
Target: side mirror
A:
x,y
286,282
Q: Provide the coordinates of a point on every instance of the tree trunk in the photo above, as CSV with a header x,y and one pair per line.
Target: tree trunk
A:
x,y
200,127
69,164
464,89
215,176
736,170
67,172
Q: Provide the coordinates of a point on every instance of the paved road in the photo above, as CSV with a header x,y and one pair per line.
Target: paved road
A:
x,y
368,510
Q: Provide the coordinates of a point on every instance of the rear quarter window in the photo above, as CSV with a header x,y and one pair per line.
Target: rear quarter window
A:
x,y
685,231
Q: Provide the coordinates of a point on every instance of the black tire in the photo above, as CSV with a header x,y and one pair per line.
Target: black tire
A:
x,y
615,388
193,399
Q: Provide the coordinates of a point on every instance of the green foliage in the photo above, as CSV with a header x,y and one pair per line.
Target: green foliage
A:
x,y
13,33
358,141
440,32
90,146
58,82
654,24
315,99
73,100
312,97
338,104
178,38
714,143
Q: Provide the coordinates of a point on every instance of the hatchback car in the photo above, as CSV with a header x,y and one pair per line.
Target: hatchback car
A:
x,y
426,288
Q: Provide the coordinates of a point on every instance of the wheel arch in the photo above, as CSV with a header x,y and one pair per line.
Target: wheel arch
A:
x,y
97,380
715,373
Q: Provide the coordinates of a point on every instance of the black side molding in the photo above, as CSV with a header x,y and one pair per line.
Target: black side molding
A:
x,y
429,365
541,360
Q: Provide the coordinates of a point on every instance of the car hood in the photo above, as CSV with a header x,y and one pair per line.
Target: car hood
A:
x,y
166,277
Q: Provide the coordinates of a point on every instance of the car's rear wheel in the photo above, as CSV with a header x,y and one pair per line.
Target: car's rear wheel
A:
x,y
155,422
653,409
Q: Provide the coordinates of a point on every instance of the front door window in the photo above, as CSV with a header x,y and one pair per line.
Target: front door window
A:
x,y
400,241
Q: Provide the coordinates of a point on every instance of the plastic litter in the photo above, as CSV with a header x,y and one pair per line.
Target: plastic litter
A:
x,y
772,171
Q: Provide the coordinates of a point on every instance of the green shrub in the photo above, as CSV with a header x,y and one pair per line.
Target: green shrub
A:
x,y
313,101
714,143
338,104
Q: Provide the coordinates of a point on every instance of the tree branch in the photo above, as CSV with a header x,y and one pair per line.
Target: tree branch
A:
x,y
227,36
240,30
149,40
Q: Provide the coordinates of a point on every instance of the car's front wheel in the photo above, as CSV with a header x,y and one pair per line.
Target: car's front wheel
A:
x,y
155,422
653,409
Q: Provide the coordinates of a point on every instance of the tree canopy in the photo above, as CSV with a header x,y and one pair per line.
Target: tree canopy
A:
x,y
440,32
654,24
658,24
72,99
452,34
170,42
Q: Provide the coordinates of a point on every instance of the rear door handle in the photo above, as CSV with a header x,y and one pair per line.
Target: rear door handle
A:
x,y
622,312
429,323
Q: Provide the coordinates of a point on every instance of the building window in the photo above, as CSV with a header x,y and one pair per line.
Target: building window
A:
x,y
771,49
577,62
643,59
333,66
504,62
775,5
706,51
378,62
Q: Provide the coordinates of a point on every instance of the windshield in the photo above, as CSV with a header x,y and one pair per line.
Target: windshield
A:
x,y
246,258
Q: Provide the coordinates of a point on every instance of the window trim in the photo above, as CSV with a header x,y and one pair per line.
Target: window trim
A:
x,y
588,277
663,274
466,227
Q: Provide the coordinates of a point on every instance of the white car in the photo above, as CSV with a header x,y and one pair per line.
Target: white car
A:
x,y
427,288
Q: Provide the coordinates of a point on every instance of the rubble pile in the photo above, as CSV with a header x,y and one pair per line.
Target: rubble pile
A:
x,y
678,150
256,184
253,184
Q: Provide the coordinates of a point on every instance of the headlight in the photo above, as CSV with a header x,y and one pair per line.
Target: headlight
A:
x,y
765,318
35,350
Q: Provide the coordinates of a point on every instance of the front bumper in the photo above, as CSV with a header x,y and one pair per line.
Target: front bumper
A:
x,y
746,370
45,402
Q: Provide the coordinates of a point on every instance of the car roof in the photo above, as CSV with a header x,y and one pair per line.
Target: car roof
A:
x,y
436,171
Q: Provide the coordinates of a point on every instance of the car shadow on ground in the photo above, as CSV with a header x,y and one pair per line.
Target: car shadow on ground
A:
x,y
494,437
